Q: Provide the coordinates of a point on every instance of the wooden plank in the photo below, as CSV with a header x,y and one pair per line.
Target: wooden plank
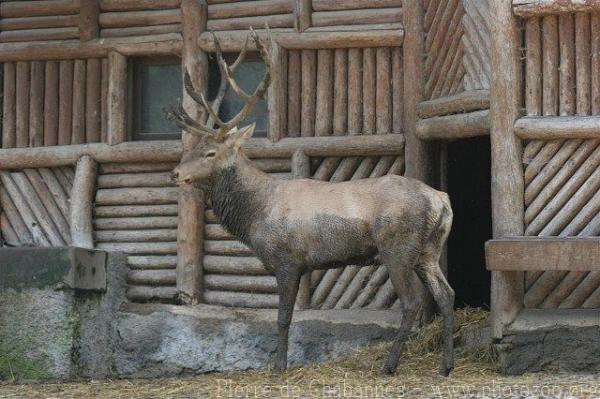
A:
x,y
533,8
558,127
544,254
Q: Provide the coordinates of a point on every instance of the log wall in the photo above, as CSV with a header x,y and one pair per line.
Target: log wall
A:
x,y
561,176
139,18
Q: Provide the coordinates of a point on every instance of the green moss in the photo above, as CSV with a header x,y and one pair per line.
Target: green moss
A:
x,y
16,365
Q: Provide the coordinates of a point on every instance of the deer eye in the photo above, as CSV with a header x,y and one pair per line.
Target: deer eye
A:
x,y
210,154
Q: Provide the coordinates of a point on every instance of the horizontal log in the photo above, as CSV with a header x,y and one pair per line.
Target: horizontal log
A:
x,y
135,180
349,17
28,35
233,265
140,30
255,284
532,8
152,262
166,151
273,165
139,18
124,211
135,235
137,167
210,216
142,196
163,44
139,248
61,21
226,248
241,299
274,21
151,277
558,127
146,294
216,232
455,126
233,41
15,9
548,253
157,222
249,8
354,28
137,5
334,5
470,100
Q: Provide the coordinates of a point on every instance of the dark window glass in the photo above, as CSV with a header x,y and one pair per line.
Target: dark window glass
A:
x,y
156,84
248,75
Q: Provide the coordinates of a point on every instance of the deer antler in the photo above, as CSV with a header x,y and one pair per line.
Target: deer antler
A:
x,y
206,127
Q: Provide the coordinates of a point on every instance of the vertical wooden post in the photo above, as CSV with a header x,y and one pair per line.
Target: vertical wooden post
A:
x,y
65,102
36,106
276,96
300,170
117,101
78,127
190,225
88,19
507,174
303,15
51,104
82,198
22,110
92,100
9,99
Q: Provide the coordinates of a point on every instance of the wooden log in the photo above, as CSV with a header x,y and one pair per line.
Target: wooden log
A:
x,y
137,5
301,170
339,5
135,223
550,51
15,9
22,104
104,102
353,289
79,83
23,23
9,236
533,74
308,100
65,102
370,289
138,248
233,265
59,194
138,196
82,198
303,11
157,179
324,93
92,100
141,30
254,284
369,90
273,165
134,210
471,100
151,294
383,97
137,167
51,103
89,13
566,32
340,92
30,35
151,277
456,126
324,287
160,235
16,221
583,64
532,8
276,94
152,262
226,248
294,89
558,127
36,106
217,232
246,9
595,64
9,101
384,297
507,186
355,91
275,21
349,17
241,299
117,94
126,19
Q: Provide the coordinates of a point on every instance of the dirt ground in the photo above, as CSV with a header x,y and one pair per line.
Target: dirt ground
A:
x,y
357,376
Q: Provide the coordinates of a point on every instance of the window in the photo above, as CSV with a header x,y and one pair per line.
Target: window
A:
x,y
157,84
248,75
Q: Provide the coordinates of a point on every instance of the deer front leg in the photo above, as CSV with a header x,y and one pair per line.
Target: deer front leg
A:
x,y
288,280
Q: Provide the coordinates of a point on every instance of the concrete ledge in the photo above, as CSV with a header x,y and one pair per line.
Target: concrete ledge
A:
x,y
160,340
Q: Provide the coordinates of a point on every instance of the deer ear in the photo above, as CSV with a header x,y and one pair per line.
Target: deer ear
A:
x,y
236,137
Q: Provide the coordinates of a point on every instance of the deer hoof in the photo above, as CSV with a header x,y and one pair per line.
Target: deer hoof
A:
x,y
389,369
445,370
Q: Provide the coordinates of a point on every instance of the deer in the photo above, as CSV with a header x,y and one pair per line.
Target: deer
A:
x,y
300,225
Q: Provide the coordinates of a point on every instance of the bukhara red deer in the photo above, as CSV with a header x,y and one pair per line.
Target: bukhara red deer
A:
x,y
297,226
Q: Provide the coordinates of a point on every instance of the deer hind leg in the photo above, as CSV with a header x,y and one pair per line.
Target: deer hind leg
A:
x,y
288,281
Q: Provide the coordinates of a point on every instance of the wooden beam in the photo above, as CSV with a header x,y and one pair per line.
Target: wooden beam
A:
x,y
301,170
457,126
303,11
470,100
82,199
507,183
548,253
533,8
88,19
117,98
277,95
558,127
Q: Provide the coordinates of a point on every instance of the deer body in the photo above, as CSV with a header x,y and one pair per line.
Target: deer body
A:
x,y
302,225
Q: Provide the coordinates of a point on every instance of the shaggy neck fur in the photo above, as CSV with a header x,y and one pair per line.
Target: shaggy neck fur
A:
x,y
239,194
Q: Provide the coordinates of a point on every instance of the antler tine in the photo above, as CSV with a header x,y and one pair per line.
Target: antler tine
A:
x,y
190,89
185,122
226,71
242,55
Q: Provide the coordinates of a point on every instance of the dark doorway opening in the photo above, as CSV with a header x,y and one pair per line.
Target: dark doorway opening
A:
x,y
468,184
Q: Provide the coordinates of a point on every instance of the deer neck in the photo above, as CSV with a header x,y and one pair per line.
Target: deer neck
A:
x,y
239,194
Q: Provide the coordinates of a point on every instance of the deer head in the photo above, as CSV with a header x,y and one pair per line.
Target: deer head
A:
x,y
219,141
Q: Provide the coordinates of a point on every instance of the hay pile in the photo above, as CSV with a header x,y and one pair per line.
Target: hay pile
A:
x,y
357,376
